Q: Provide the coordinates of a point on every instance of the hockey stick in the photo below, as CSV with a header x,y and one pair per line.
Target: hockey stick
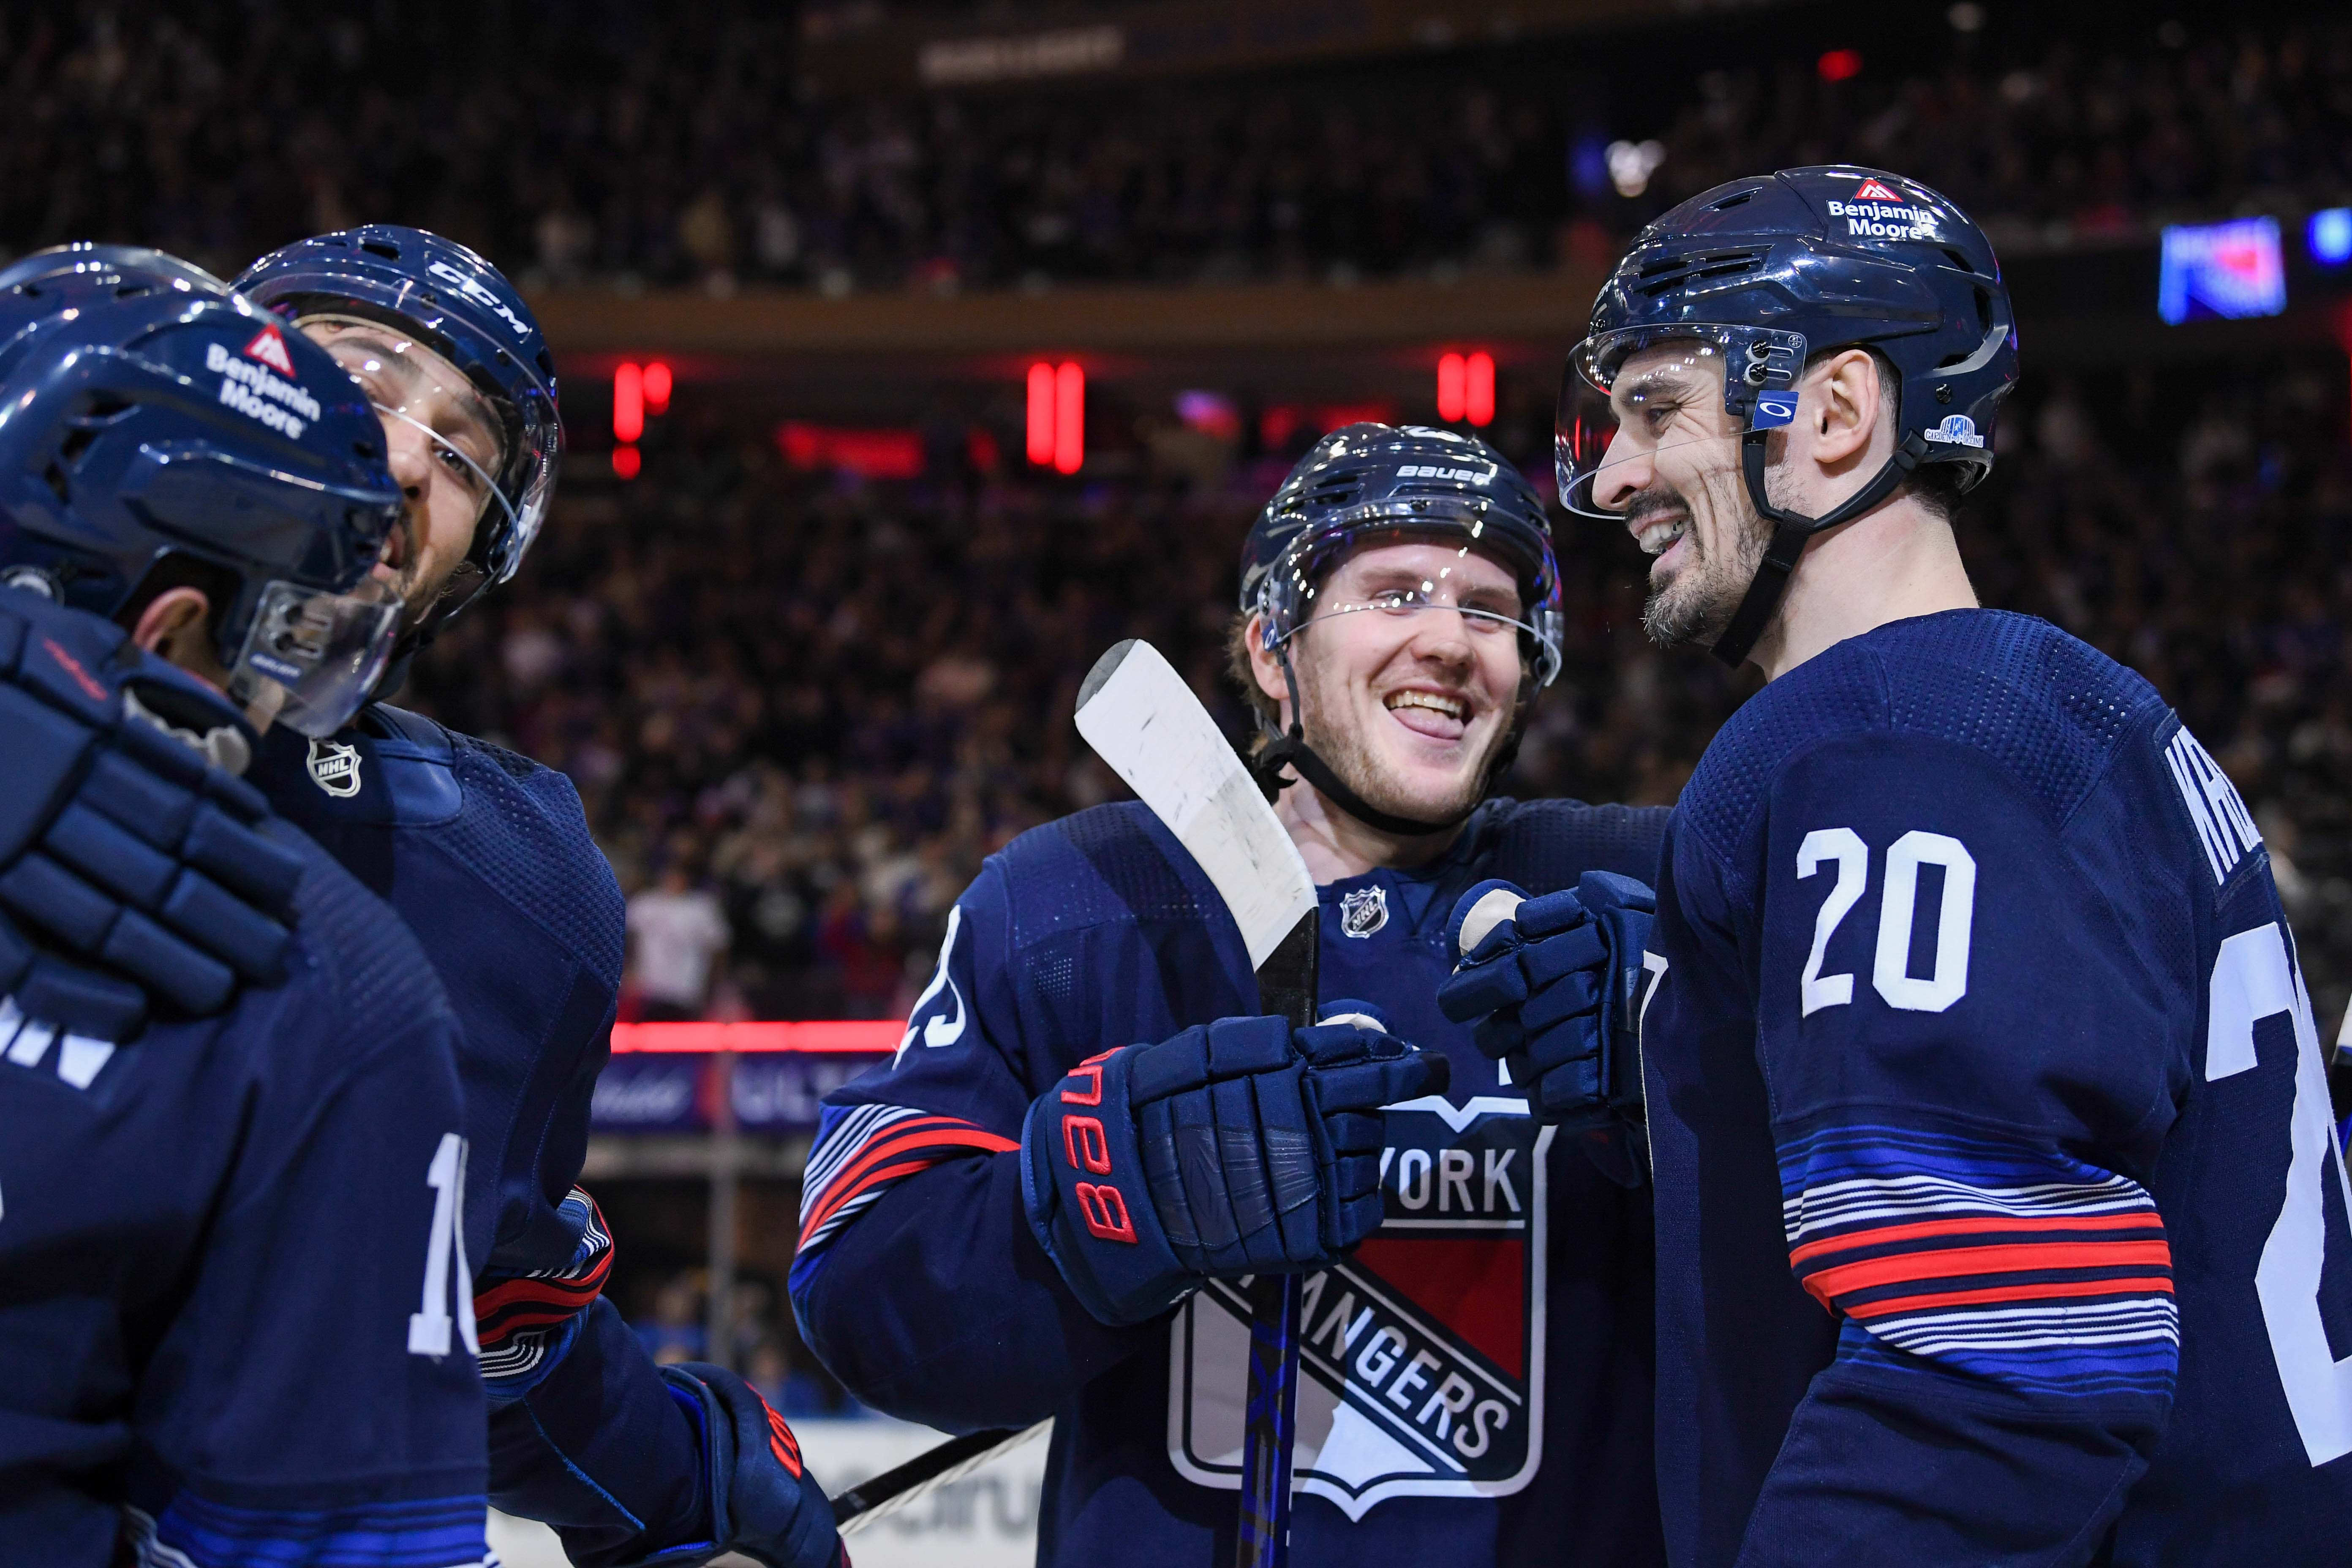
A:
x,y
952,1460
1137,714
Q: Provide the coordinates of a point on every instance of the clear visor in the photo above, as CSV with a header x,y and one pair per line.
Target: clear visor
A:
x,y
1300,589
311,658
1629,394
413,385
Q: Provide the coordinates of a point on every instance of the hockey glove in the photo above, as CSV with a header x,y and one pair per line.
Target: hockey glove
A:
x,y
1550,986
1243,1147
120,844
764,1503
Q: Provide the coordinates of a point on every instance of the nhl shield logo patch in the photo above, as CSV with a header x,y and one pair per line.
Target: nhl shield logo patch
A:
x,y
1422,1355
1364,910
335,768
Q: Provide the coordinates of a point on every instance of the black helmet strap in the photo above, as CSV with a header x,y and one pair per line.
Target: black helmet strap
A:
x,y
1790,533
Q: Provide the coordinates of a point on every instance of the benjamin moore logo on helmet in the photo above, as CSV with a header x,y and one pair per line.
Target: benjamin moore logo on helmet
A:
x,y
1875,191
1427,471
474,288
1885,223
1957,430
254,392
270,349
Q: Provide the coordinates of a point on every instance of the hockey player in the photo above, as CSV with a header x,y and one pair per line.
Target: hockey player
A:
x,y
975,1252
487,856
235,1326
1999,1215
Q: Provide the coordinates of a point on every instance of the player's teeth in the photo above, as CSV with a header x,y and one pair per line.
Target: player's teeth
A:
x,y
1658,536
1448,706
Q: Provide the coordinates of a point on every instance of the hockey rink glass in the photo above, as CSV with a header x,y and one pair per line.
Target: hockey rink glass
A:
x,y
410,383
311,658
1610,417
1292,592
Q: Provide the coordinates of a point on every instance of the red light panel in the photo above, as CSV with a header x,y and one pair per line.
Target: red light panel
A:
x,y
1450,392
1041,413
868,454
1069,418
629,402
826,1035
1839,65
657,386
626,461
1478,388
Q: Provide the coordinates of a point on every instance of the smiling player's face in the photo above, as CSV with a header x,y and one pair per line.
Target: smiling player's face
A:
x,y
442,441
1409,705
1672,470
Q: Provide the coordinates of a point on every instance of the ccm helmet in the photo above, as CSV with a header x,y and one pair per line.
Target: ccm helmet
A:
x,y
1764,273
463,308
1365,482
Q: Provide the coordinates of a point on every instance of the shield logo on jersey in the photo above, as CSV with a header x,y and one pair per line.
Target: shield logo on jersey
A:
x,y
1363,911
335,768
1422,1359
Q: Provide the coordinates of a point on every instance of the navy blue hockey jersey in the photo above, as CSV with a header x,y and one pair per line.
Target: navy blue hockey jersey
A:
x,y
1999,1214
487,856
235,1322
1475,1380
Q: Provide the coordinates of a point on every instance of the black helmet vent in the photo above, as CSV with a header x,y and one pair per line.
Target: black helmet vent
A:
x,y
1333,492
1682,271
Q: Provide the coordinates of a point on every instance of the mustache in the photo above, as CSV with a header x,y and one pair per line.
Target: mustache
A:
x,y
1657,501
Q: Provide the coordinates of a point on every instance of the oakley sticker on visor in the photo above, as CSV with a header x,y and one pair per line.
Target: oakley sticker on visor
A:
x,y
1773,409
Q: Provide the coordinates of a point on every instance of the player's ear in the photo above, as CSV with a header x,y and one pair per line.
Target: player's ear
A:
x,y
1264,669
171,627
1845,407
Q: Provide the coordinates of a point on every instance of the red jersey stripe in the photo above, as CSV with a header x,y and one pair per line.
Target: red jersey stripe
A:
x,y
2144,1220
2020,1258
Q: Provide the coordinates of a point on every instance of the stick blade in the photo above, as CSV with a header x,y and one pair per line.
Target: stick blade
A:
x,y
1141,718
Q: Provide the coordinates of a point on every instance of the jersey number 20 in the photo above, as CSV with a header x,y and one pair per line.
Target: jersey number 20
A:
x,y
2254,978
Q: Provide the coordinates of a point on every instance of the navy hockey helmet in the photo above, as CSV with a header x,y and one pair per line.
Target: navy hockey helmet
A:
x,y
462,307
151,414
1367,482
1767,272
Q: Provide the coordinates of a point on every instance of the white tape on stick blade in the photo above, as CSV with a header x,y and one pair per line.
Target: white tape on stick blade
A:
x,y
1137,714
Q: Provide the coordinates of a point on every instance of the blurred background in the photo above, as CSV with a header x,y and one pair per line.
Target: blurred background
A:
x,y
912,353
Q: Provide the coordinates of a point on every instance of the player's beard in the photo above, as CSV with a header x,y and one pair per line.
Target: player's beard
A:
x,y
1348,754
1695,604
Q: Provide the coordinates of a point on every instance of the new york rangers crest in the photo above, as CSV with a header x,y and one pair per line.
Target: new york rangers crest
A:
x,y
1421,1365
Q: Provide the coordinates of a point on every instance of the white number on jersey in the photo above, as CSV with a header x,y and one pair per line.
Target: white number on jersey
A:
x,y
428,1326
1947,980
2254,977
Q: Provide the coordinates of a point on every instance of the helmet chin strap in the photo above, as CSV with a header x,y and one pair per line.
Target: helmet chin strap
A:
x,y
1291,750
1790,533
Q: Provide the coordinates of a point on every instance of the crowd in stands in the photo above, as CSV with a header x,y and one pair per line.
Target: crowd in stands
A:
x,y
813,704
616,144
